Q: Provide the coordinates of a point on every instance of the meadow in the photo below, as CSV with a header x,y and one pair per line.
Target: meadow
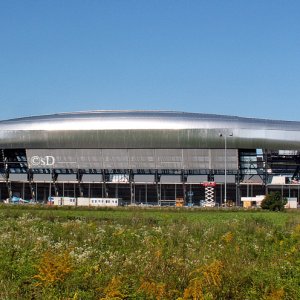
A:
x,y
148,253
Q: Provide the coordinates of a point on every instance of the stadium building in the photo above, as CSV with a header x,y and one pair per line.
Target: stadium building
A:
x,y
148,156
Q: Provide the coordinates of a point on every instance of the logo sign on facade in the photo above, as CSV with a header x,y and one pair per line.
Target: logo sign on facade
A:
x,y
122,178
46,161
211,184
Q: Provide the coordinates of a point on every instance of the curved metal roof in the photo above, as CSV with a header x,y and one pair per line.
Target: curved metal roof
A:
x,y
147,129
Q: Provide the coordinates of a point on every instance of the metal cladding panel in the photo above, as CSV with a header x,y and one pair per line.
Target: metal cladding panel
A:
x,y
18,177
218,159
147,129
142,158
169,159
144,178
66,178
196,159
196,179
170,179
221,178
89,158
90,178
51,158
109,139
65,158
186,159
42,177
115,159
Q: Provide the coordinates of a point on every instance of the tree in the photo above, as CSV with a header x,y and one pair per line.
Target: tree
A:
x,y
274,201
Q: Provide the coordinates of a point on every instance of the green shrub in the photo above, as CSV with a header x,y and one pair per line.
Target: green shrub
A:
x,y
274,201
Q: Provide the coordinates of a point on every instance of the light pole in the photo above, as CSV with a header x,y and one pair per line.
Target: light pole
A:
x,y
225,165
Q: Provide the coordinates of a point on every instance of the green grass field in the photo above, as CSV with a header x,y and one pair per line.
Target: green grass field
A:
x,y
148,253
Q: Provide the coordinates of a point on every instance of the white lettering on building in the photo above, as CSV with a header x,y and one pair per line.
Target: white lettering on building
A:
x,y
45,161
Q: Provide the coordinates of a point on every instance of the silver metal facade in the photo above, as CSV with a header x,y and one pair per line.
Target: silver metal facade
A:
x,y
157,159
147,130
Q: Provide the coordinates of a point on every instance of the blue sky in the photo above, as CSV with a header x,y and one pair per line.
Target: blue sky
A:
x,y
224,57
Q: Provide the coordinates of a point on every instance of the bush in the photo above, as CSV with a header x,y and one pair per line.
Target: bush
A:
x,y
274,201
